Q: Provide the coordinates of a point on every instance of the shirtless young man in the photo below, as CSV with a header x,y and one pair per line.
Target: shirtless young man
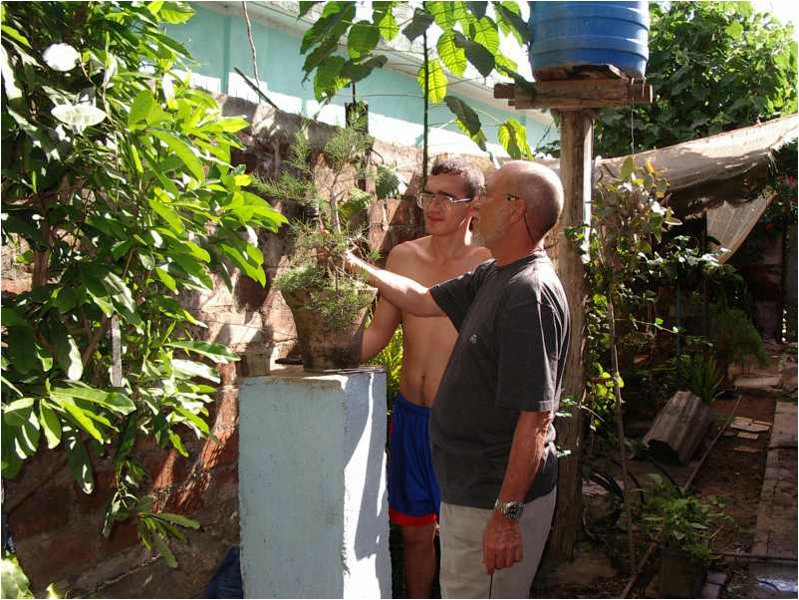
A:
x,y
445,253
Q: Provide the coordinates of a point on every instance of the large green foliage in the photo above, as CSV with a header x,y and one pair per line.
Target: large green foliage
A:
x,y
118,186
469,36
715,66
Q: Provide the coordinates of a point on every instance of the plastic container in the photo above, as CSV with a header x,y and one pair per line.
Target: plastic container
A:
x,y
573,34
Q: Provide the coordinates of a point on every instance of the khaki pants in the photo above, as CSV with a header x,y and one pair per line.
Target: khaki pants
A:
x,y
463,574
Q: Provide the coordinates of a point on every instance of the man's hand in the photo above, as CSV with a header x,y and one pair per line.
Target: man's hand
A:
x,y
502,543
352,263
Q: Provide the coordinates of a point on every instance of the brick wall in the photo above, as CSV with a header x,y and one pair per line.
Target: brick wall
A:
x,y
57,528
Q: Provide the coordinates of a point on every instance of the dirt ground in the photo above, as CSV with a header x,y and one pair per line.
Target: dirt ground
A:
x,y
601,569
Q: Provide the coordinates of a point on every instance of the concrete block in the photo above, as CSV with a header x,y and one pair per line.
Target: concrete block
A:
x,y
314,511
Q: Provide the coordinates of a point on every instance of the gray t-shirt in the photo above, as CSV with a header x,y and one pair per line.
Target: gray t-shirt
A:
x,y
513,337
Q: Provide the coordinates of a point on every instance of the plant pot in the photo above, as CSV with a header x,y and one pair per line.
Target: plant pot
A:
x,y
324,345
680,575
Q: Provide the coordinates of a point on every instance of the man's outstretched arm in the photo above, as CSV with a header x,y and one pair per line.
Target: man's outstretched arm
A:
x,y
385,320
402,292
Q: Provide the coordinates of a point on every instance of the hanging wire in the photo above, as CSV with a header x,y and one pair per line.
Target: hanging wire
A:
x,y
632,122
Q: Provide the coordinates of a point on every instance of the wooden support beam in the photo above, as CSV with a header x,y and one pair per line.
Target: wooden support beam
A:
x,y
576,94
576,146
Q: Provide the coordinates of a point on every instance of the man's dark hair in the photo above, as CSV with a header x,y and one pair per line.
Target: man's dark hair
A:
x,y
475,180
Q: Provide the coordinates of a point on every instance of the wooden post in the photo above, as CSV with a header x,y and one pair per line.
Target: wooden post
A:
x,y
576,146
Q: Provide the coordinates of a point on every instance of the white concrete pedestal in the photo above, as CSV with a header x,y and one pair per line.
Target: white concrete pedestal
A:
x,y
312,485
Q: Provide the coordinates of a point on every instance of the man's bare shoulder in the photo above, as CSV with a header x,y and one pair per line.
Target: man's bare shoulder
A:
x,y
410,251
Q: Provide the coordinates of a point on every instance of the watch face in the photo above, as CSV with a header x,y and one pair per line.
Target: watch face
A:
x,y
513,510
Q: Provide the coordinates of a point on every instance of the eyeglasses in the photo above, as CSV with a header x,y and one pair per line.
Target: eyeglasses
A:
x,y
510,198
425,199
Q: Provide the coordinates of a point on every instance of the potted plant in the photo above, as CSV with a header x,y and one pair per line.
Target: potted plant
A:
x,y
327,302
685,526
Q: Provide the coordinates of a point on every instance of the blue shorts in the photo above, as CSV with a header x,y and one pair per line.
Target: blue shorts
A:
x,y
413,494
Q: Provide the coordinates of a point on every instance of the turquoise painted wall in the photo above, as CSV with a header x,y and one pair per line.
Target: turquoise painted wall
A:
x,y
219,43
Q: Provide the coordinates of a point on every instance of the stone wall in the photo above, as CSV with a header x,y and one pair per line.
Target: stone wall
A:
x,y
57,528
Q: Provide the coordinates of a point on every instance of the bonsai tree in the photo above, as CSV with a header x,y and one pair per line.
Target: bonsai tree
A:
x,y
328,303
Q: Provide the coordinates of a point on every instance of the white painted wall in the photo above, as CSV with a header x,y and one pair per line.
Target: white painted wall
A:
x,y
314,510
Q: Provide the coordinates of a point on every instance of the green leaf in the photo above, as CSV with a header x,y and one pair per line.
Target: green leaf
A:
x,y
734,30
115,401
465,113
627,168
155,6
16,413
195,419
184,152
166,279
15,35
190,368
219,353
141,106
478,9
386,23
513,137
252,271
419,23
11,464
484,32
21,344
328,23
50,423
98,293
305,6
327,80
9,82
175,13
11,317
28,437
120,292
166,212
162,548
453,56
354,72
232,124
67,353
198,252
362,39
444,13
179,520
79,462
437,81
177,443
479,56
510,21
80,416
45,358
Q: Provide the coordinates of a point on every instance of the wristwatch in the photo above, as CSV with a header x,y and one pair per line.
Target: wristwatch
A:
x,y
512,510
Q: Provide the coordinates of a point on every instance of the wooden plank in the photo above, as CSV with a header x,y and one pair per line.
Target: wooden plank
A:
x,y
504,90
574,94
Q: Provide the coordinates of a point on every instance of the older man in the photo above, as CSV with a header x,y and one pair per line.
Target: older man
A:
x,y
446,252
491,423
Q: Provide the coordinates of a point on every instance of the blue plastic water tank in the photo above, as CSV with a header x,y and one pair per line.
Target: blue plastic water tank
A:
x,y
570,34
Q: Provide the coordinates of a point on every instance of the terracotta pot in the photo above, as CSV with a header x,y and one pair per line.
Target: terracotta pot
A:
x,y
680,576
323,346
